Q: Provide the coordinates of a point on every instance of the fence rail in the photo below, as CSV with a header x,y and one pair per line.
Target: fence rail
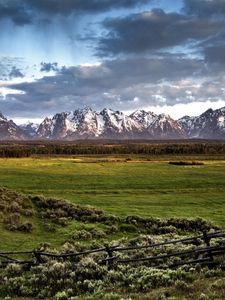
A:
x,y
207,250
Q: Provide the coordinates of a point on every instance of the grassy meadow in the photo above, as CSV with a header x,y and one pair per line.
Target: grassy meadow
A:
x,y
120,185
134,187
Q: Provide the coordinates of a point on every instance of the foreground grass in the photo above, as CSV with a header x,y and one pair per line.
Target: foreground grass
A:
x,y
146,188
74,228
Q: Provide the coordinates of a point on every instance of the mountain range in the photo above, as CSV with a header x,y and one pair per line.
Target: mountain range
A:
x,y
86,123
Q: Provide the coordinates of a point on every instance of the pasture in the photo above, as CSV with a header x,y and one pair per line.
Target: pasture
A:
x,y
135,187
121,185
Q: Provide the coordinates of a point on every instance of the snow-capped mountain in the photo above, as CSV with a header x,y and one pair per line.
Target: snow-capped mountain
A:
x,y
80,123
30,128
210,124
165,127
143,118
86,123
117,124
10,131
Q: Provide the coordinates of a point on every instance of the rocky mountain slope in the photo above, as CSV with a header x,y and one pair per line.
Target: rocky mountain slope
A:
x,y
30,129
87,123
10,131
109,124
210,124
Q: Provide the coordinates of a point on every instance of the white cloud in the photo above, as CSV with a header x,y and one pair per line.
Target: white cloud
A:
x,y
191,109
4,91
21,121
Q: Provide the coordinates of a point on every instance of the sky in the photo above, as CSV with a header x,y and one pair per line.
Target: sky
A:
x,y
157,55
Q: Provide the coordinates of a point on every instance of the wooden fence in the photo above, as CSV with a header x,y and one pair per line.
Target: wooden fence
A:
x,y
205,254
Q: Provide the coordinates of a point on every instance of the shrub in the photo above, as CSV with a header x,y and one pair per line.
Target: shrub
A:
x,y
181,285
61,296
12,221
26,227
219,284
87,268
112,296
130,228
97,233
14,270
81,235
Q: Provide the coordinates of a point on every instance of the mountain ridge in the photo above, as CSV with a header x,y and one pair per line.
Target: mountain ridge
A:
x,y
87,123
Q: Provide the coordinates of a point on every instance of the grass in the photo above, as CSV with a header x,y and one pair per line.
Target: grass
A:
x,y
137,187
146,188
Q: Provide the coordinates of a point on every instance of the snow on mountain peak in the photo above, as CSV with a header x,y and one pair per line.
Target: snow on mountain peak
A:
x,y
221,121
144,118
109,123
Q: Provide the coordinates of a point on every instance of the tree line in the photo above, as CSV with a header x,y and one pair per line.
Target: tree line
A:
x,y
128,148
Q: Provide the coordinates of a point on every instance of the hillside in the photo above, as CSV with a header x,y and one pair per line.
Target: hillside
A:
x,y
43,221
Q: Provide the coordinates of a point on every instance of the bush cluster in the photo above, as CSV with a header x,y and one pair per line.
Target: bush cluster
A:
x,y
61,211
172,225
88,275
13,222
65,280
13,207
57,209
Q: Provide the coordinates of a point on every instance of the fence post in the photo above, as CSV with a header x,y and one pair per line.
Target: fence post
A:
x,y
207,242
110,254
37,257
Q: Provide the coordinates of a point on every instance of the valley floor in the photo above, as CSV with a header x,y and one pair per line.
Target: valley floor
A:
x,y
120,185
125,185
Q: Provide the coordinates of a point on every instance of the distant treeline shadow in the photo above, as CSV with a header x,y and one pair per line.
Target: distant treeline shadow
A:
x,y
186,163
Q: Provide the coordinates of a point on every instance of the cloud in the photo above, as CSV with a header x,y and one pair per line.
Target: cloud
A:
x,y
190,109
83,80
118,84
47,67
10,67
15,11
23,12
84,6
152,30
158,58
205,8
213,50
215,54
15,73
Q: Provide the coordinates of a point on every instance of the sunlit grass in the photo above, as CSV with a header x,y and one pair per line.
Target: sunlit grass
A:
x,y
150,188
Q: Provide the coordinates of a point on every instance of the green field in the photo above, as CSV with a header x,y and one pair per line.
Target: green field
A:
x,y
140,187
135,185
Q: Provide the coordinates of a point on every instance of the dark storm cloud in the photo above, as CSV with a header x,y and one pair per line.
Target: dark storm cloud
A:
x,y
191,69
84,80
152,30
113,83
213,50
16,11
91,6
215,54
205,8
23,12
